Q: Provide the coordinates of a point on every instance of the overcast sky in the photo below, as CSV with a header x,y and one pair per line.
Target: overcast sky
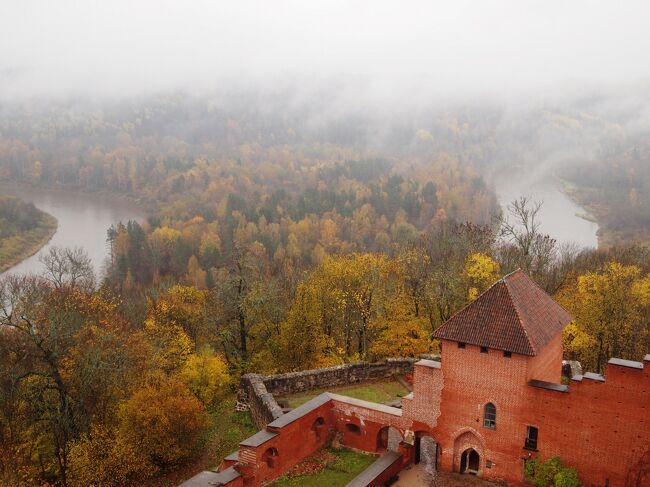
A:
x,y
125,47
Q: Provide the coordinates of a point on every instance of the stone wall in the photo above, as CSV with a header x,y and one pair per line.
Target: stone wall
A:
x,y
256,391
254,396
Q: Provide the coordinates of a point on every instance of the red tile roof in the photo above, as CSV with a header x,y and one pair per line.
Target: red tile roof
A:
x,y
515,314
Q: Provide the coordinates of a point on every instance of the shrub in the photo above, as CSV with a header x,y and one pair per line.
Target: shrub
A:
x,y
551,473
206,374
101,458
166,420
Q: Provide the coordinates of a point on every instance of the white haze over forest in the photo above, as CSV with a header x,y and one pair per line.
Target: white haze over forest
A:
x,y
389,49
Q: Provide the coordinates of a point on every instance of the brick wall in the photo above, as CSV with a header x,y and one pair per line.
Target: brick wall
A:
x,y
602,428
547,364
294,443
471,380
369,421
599,425
423,406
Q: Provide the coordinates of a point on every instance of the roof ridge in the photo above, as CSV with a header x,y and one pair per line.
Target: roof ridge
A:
x,y
514,305
518,269
472,302
513,314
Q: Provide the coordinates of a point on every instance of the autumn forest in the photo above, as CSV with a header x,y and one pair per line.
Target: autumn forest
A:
x,y
281,235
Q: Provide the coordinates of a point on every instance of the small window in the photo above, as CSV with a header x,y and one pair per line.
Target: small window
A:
x,y
531,438
353,428
507,354
490,416
484,350
461,344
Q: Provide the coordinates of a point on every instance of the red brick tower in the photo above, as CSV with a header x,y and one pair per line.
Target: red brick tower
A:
x,y
496,399
491,350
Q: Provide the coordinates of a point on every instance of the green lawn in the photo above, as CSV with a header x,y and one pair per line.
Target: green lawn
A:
x,y
379,392
347,466
229,427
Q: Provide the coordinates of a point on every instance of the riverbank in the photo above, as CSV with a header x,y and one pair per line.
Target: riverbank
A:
x,y
611,232
145,205
83,220
17,248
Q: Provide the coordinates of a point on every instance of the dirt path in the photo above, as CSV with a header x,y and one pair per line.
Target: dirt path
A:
x,y
414,476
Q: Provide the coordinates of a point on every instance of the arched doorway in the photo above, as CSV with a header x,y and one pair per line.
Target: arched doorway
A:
x,y
470,462
426,451
469,447
388,438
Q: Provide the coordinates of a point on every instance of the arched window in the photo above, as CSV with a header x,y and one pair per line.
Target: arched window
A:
x,y
490,416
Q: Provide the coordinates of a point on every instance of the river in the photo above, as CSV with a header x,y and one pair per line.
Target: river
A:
x,y
559,215
83,221
84,218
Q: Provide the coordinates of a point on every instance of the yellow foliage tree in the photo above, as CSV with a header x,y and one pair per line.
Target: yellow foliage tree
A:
x,y
608,308
400,334
302,340
481,272
195,274
103,459
206,374
164,420
184,306
171,345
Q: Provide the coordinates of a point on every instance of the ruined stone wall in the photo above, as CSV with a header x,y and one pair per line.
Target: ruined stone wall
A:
x,y
256,391
337,376
254,396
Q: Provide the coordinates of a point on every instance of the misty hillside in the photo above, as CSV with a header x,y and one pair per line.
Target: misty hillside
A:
x,y
191,192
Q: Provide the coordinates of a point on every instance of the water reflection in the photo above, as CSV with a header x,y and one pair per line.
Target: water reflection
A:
x,y
83,221
559,214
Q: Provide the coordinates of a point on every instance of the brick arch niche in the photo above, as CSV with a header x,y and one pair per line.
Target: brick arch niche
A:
x,y
319,428
389,438
270,457
469,453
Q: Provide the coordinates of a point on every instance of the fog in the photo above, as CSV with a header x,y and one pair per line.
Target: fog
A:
x,y
387,50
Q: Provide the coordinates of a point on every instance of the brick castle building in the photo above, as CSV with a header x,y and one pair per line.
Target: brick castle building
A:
x,y
495,399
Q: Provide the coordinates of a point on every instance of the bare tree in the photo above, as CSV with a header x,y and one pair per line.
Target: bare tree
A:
x,y
40,337
68,267
521,228
526,247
